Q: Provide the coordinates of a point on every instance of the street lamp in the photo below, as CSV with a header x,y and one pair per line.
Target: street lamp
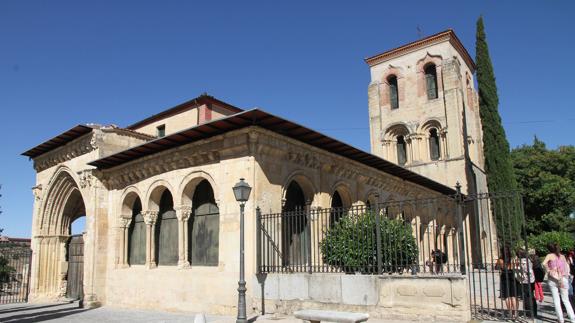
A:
x,y
242,193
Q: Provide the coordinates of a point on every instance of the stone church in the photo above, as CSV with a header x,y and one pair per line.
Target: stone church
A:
x,y
162,223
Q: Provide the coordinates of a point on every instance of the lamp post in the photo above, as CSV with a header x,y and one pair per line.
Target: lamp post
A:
x,y
242,194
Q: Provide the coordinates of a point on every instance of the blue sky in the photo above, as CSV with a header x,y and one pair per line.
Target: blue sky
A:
x,y
69,62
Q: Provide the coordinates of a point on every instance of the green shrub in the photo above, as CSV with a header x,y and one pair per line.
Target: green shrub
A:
x,y
539,242
351,246
5,270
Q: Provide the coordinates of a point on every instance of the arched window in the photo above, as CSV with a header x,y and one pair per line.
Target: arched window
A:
x,y
401,150
434,150
137,236
431,81
167,232
337,210
293,224
393,92
204,227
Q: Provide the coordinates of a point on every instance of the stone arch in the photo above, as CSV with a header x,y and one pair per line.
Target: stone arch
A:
x,y
397,145
189,184
344,191
428,59
154,194
62,192
203,229
63,203
371,198
385,88
392,71
433,130
396,129
421,65
307,186
129,196
429,124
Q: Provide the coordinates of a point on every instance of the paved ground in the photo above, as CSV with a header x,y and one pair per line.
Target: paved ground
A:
x,y
71,313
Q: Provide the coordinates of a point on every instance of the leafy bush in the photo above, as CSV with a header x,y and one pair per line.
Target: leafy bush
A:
x,y
539,242
5,270
351,244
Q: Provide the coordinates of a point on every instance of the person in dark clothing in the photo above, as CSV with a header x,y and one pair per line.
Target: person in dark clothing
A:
x,y
508,285
524,273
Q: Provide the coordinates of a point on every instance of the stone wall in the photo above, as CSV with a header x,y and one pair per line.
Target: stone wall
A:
x,y
422,298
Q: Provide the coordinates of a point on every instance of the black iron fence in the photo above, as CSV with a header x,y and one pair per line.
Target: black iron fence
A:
x,y
14,273
481,236
413,236
503,267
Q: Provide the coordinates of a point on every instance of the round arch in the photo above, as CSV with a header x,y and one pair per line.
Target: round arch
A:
x,y
129,196
188,186
371,198
344,191
154,194
395,130
304,182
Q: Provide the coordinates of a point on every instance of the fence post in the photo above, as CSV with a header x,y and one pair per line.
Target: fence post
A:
x,y
308,233
378,236
461,238
258,240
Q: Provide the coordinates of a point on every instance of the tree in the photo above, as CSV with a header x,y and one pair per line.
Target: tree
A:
x,y
498,166
547,181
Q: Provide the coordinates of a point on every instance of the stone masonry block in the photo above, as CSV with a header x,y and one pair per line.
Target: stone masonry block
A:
x,y
325,288
359,289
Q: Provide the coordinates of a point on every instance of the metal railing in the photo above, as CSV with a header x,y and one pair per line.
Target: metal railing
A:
x,y
14,273
414,236
479,235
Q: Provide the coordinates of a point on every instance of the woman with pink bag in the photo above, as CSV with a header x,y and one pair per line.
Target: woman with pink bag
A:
x,y
558,281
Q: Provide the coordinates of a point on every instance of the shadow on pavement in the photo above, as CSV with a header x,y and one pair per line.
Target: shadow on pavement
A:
x,y
34,315
29,307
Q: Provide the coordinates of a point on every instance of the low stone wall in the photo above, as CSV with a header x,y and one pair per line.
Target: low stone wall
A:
x,y
405,297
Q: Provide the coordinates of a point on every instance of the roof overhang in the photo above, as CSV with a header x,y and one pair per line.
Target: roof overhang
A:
x,y
447,35
259,118
60,140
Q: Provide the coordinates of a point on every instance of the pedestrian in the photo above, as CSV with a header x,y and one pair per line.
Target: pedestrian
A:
x,y
439,259
525,275
558,280
508,286
539,272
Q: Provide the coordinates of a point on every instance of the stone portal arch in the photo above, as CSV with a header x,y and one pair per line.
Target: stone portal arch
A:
x,y
63,203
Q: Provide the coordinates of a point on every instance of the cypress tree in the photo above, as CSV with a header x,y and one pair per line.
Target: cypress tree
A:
x,y
498,163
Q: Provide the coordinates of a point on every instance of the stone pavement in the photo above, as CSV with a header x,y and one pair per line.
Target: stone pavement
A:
x,y
69,312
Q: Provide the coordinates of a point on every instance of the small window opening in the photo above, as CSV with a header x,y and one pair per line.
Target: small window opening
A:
x,y
431,81
393,92
401,150
434,144
161,131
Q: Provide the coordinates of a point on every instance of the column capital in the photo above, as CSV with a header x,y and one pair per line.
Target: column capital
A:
x,y
124,221
150,217
183,212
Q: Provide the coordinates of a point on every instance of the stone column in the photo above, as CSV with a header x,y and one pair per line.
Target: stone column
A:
x,y
63,268
443,143
123,228
409,150
150,218
450,248
183,213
